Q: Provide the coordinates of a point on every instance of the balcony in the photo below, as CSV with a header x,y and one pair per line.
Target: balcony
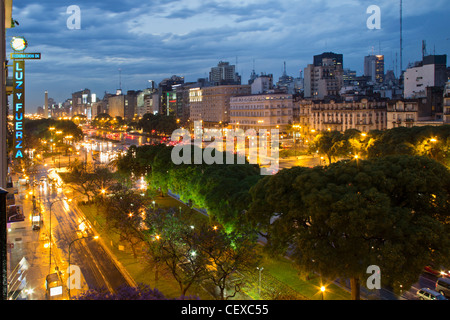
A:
x,y
332,121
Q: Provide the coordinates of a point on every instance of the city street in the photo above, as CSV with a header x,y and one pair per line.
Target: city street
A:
x,y
69,228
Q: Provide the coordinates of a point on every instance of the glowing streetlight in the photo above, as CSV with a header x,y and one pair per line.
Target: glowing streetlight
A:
x,y
322,289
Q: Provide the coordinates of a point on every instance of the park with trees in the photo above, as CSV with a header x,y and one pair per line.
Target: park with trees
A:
x,y
383,199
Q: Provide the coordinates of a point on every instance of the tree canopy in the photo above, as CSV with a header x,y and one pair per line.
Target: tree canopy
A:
x,y
338,220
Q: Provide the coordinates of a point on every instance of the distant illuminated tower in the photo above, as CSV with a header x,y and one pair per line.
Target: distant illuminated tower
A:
x,y
374,68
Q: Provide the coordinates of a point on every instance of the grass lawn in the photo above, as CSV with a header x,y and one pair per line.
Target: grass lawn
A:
x,y
140,271
281,269
285,271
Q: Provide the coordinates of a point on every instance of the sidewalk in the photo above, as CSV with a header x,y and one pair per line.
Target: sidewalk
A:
x,y
28,251
29,244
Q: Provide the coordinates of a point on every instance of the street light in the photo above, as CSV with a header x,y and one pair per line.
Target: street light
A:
x,y
259,285
322,289
70,269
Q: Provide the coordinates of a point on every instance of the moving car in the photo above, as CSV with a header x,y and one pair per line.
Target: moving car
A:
x,y
438,272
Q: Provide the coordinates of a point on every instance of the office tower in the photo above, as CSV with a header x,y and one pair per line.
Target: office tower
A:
x,y
224,74
374,68
324,77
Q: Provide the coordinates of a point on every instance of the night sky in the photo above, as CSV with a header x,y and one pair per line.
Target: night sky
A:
x,y
153,40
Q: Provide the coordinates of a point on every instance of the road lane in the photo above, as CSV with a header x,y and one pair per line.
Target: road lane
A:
x,y
97,266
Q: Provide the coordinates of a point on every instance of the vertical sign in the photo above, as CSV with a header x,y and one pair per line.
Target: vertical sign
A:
x,y
18,106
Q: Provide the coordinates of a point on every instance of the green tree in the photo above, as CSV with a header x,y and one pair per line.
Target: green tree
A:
x,y
174,245
332,144
391,212
125,216
229,257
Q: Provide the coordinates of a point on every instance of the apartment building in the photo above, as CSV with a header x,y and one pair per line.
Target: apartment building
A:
x,y
212,104
402,113
261,111
319,115
325,77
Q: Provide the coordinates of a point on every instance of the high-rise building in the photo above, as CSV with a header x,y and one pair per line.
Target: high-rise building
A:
x,y
374,68
80,101
224,74
212,104
123,106
167,92
324,77
430,72
319,60
147,102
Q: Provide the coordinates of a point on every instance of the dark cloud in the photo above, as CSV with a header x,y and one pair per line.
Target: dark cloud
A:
x,y
156,39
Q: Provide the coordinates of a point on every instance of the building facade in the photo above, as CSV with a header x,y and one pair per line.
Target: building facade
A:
x,y
325,77
123,106
446,115
224,74
81,101
147,102
363,115
374,68
431,72
261,111
167,94
212,104
402,113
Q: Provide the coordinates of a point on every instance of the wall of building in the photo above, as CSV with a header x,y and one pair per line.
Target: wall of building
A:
x,y
265,111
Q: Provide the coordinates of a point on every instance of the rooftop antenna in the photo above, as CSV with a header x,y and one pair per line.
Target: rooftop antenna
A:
x,y
120,79
401,36
424,48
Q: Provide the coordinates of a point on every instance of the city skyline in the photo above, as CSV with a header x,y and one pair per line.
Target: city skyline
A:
x,y
153,41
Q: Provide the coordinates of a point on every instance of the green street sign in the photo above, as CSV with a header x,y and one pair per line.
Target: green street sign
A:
x,y
22,55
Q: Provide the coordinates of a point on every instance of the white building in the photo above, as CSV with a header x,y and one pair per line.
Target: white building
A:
x,y
262,84
431,72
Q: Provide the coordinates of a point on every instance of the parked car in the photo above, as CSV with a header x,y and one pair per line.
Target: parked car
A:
x,y
443,286
429,294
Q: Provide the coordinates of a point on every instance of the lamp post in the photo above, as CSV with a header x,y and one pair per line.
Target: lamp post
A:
x,y
50,231
70,270
322,289
259,283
